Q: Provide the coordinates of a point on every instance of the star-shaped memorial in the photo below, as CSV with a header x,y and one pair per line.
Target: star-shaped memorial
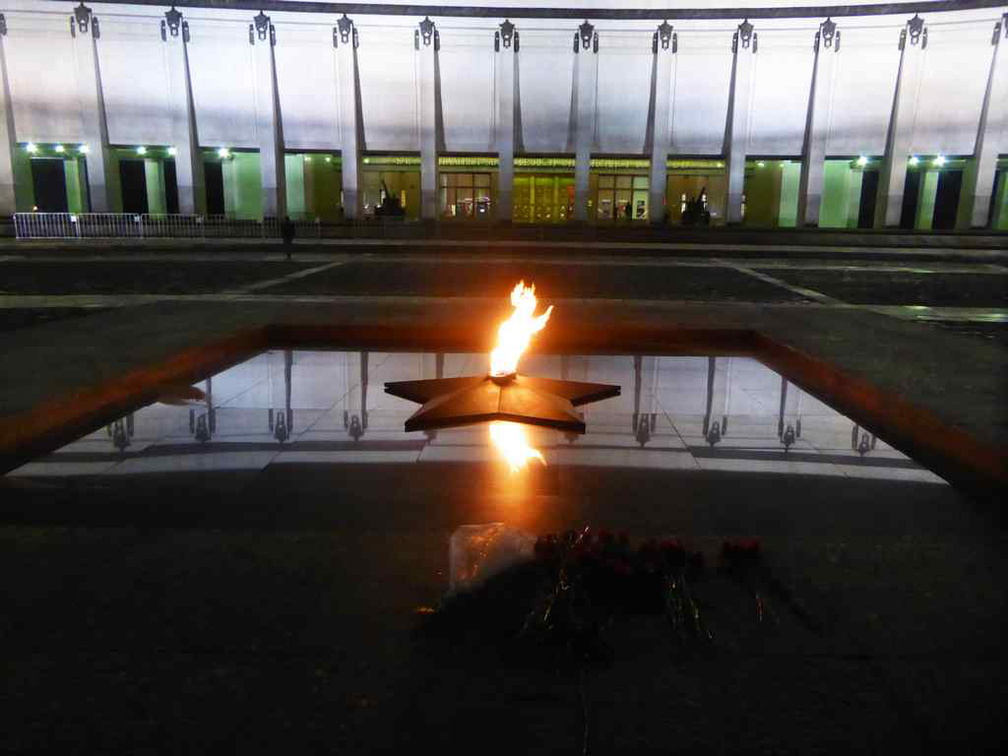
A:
x,y
452,402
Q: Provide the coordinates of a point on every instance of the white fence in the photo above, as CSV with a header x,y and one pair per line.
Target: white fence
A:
x,y
144,226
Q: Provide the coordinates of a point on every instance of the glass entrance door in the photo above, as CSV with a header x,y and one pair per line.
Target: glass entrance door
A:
x,y
543,198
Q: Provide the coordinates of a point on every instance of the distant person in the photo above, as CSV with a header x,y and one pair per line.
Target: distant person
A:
x,y
287,232
628,211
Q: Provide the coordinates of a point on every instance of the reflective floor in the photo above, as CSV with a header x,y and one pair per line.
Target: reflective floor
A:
x,y
297,407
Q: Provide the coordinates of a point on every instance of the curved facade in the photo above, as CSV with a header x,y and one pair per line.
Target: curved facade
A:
x,y
779,115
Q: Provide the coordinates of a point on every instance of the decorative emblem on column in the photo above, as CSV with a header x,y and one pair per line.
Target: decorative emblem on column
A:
x,y
3,25
506,34
917,31
666,36
262,27
173,20
171,23
345,27
426,32
82,15
588,36
745,35
828,35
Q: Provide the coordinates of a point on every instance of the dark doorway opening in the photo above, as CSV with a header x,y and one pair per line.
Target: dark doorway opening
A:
x,y
911,193
947,199
49,184
171,187
869,193
213,177
133,179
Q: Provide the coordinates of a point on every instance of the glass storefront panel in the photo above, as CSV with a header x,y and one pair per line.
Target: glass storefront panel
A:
x,y
709,188
465,195
621,197
399,190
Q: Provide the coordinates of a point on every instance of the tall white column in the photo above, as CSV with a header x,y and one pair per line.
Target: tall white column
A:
x,y
892,177
586,71
345,40
506,48
737,127
185,139
262,36
8,139
992,138
103,182
663,46
426,42
813,164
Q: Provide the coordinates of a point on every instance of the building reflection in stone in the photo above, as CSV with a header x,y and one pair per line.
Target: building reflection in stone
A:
x,y
293,406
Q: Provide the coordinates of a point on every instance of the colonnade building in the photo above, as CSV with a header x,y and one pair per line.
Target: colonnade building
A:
x,y
777,113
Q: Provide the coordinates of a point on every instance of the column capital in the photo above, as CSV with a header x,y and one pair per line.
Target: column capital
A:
x,y
1000,27
828,35
3,25
746,35
426,33
506,33
916,30
664,38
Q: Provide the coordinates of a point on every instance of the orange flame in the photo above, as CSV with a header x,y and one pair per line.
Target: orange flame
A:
x,y
516,332
510,440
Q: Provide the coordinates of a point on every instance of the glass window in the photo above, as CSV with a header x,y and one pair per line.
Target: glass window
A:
x,y
481,179
640,182
444,179
606,182
624,182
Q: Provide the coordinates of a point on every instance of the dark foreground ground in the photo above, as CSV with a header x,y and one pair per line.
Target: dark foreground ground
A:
x,y
278,612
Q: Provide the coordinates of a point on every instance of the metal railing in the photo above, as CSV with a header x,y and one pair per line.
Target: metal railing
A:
x,y
148,226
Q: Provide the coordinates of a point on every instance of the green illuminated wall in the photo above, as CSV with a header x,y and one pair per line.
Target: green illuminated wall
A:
x,y
157,204
838,193
294,170
243,186
999,220
76,187
314,186
926,200
787,216
762,194
24,192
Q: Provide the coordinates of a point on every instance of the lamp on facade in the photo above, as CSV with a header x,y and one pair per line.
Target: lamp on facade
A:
x,y
223,153
83,149
862,161
59,148
31,148
914,160
939,161
173,151
141,150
